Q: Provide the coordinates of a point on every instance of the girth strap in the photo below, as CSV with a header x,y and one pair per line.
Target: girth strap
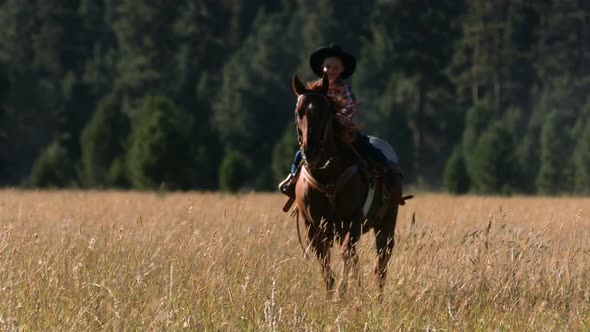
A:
x,y
330,190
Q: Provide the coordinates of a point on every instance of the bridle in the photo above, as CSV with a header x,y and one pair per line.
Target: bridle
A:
x,y
324,138
329,189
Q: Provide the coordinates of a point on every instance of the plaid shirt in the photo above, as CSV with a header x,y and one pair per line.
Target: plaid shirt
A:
x,y
342,91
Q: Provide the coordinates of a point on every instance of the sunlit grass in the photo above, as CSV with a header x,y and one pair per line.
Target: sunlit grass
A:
x,y
195,261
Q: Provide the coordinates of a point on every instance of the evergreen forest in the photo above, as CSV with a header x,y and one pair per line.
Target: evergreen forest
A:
x,y
479,96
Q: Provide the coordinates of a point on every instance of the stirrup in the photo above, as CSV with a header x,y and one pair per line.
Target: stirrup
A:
x,y
287,186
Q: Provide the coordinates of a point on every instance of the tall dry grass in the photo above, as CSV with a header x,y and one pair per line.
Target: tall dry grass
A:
x,y
211,262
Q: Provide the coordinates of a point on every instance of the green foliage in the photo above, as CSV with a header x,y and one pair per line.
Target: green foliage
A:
x,y
103,145
555,174
4,87
145,51
456,179
264,181
426,80
235,171
529,152
78,108
117,176
582,161
53,168
247,116
477,119
283,153
493,166
415,80
161,153
410,25
391,122
325,21
493,58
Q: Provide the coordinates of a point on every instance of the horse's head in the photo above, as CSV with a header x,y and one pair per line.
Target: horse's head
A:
x,y
314,122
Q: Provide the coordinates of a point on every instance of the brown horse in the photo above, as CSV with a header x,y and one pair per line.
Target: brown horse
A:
x,y
332,189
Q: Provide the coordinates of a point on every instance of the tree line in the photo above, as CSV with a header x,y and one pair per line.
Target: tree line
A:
x,y
476,96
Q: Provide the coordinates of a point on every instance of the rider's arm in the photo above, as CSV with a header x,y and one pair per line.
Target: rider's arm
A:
x,y
349,101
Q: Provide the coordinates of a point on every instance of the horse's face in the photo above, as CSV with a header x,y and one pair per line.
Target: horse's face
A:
x,y
312,114
313,117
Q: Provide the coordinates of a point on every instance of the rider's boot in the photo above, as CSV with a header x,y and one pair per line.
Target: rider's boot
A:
x,y
287,187
392,176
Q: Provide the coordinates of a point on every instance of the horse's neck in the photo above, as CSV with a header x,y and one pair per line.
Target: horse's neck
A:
x,y
342,159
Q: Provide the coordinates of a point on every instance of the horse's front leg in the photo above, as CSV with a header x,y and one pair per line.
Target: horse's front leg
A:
x,y
350,257
320,239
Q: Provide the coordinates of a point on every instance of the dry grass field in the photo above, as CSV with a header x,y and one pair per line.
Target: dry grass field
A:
x,y
81,260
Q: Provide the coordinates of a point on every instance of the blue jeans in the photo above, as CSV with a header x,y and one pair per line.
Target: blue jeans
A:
x,y
296,162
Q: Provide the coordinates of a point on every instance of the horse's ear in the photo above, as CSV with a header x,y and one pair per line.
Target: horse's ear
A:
x,y
325,83
298,87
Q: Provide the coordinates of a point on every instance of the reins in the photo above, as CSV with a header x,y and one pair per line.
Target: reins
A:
x,y
296,215
330,190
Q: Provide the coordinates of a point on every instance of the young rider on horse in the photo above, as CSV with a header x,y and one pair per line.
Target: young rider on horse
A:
x,y
339,65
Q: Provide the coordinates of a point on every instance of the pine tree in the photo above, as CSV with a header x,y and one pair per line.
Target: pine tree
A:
x,y
492,164
494,57
161,152
4,87
53,168
325,22
78,105
420,46
235,171
29,120
456,178
284,153
144,33
555,174
255,102
391,122
517,56
103,142
477,120
582,160
555,95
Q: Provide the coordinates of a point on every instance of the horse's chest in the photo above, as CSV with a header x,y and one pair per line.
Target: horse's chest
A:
x,y
320,206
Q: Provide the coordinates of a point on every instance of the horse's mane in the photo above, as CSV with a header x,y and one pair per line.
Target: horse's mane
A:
x,y
344,128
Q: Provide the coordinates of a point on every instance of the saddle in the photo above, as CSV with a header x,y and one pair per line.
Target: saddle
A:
x,y
377,194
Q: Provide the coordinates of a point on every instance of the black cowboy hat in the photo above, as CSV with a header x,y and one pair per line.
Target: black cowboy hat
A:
x,y
318,56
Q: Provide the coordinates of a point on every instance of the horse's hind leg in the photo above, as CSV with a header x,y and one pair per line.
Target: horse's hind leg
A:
x,y
320,239
384,240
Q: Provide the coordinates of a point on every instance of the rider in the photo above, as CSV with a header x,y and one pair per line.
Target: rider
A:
x,y
339,65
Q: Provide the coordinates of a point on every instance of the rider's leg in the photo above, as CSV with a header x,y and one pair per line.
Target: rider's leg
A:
x,y
287,186
373,156
379,164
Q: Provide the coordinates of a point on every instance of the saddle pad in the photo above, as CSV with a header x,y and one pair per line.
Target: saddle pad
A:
x,y
390,154
385,148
